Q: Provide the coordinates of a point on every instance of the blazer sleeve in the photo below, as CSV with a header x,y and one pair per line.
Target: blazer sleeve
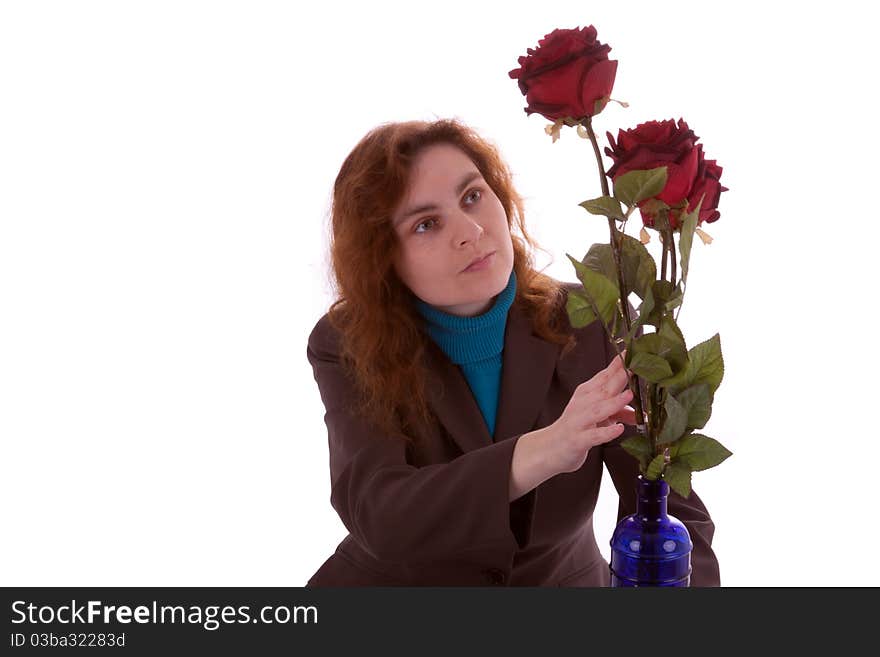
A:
x,y
399,512
624,469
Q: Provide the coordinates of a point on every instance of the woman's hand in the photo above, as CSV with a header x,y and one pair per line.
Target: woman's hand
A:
x,y
591,417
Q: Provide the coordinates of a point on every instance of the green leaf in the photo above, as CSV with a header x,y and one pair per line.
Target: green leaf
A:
x,y
655,345
645,309
679,478
653,207
639,268
675,425
600,293
601,260
580,312
671,334
607,206
698,452
688,226
697,401
667,343
664,292
676,354
660,292
675,298
650,367
706,365
640,447
635,186
616,320
655,467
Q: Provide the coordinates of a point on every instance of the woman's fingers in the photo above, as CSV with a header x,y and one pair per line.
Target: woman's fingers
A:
x,y
598,413
610,380
626,415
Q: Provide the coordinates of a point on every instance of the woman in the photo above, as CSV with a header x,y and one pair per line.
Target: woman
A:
x,y
468,422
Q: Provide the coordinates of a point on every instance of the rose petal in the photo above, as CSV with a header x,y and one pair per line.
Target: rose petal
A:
x,y
554,88
680,179
597,82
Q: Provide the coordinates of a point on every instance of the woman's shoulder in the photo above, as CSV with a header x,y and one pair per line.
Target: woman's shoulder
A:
x,y
324,338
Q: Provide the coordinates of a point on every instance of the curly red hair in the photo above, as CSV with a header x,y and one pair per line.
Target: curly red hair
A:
x,y
382,335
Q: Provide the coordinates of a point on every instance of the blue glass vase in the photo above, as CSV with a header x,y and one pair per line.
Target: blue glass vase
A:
x,y
650,547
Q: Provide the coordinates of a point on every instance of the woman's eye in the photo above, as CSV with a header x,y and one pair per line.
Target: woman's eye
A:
x,y
426,221
477,192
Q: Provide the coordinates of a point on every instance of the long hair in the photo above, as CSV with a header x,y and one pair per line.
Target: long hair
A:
x,y
382,335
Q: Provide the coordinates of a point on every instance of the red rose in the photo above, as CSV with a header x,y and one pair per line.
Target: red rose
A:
x,y
689,174
707,182
567,75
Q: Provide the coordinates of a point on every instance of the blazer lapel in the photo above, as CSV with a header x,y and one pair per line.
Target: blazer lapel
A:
x,y
527,366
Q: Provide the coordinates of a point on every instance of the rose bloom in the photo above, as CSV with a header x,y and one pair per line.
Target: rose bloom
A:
x,y
689,174
567,75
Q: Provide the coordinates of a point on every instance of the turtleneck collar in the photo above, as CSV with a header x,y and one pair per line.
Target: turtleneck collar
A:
x,y
470,339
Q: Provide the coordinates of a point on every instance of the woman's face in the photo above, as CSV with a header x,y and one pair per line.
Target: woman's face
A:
x,y
449,217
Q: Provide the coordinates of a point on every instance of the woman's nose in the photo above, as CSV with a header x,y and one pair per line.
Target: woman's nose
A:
x,y
470,229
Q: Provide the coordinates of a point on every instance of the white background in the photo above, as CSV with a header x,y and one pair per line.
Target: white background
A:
x,y
165,170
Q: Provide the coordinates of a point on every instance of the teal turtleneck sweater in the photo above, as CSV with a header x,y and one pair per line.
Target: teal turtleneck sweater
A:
x,y
475,345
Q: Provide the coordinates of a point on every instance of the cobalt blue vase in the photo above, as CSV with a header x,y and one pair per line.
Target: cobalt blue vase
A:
x,y
650,547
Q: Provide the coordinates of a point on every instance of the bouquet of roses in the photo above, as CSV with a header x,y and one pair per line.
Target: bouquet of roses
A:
x,y
660,169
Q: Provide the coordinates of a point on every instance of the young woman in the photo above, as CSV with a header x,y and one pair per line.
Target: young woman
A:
x,y
468,422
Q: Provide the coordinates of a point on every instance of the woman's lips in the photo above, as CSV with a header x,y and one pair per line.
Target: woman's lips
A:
x,y
482,264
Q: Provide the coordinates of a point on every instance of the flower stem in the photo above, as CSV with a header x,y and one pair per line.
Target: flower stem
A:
x,y
616,238
671,237
603,180
663,258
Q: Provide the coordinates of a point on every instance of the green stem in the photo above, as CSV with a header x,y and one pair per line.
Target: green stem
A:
x,y
672,258
663,257
652,414
624,292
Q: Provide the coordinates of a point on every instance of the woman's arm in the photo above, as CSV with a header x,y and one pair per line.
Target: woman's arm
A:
x,y
530,466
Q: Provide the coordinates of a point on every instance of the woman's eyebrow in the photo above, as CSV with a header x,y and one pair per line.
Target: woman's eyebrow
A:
x,y
465,181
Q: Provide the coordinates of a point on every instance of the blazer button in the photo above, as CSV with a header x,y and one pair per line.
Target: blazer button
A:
x,y
495,576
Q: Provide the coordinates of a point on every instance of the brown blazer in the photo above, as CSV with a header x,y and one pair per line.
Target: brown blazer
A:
x,y
439,515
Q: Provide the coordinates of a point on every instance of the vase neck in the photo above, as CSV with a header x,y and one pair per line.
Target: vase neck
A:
x,y
651,497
